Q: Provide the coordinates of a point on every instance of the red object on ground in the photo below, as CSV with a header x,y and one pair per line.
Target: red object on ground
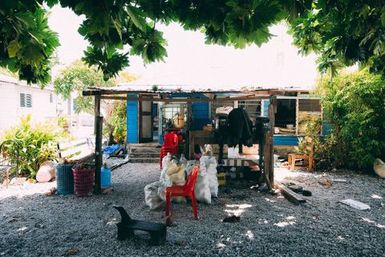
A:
x,y
83,181
170,145
186,190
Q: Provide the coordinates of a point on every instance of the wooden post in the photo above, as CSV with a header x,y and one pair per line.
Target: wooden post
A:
x,y
266,159
268,162
272,111
296,115
140,119
96,110
98,145
190,142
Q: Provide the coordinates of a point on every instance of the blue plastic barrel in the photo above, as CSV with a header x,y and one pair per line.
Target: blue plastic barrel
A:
x,y
106,177
64,179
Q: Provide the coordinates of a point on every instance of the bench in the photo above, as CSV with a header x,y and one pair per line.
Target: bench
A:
x,y
127,226
76,151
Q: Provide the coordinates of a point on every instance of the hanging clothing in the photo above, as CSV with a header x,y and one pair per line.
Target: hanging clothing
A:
x,y
240,128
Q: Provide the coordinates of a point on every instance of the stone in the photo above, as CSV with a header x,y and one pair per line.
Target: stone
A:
x,y
46,172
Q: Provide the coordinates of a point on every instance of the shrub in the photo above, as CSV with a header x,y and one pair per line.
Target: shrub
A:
x,y
312,137
28,146
354,103
116,121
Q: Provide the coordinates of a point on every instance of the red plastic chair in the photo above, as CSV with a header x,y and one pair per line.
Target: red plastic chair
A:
x,y
170,145
170,140
186,190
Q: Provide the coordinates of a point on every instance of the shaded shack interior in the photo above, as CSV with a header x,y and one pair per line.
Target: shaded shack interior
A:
x,y
150,114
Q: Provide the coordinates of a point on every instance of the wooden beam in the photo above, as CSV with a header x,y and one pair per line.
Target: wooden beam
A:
x,y
291,195
124,98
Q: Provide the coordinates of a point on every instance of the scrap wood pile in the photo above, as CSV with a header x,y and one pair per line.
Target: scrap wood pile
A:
x,y
174,173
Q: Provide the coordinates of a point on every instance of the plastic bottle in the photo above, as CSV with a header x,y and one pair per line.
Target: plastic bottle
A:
x,y
106,177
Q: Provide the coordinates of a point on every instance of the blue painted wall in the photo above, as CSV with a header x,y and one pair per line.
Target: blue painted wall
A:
x,y
285,140
326,128
132,120
200,115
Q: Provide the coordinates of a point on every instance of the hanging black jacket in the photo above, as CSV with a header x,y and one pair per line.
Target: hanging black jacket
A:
x,y
240,128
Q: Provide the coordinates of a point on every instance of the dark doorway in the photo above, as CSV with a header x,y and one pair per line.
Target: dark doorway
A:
x,y
286,112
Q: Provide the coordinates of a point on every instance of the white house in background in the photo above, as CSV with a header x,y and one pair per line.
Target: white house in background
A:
x,y
19,99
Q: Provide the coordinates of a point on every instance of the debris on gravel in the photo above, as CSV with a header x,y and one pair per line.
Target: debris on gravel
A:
x,y
32,224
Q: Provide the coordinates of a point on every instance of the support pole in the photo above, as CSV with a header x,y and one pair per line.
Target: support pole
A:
x,y
98,145
272,111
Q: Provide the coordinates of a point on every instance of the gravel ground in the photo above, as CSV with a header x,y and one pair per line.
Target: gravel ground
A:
x,y
39,225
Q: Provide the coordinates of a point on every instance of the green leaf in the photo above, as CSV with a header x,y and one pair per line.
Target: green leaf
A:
x,y
13,48
383,16
118,27
136,19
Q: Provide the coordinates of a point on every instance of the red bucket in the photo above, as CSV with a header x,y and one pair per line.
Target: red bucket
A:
x,y
84,178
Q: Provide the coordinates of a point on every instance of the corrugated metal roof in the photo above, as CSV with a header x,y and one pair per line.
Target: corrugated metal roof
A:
x,y
190,89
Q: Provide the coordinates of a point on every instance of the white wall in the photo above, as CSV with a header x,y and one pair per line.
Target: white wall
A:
x,y
10,109
8,114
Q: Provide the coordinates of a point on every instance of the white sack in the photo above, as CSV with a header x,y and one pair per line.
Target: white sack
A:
x,y
212,176
209,166
176,174
165,163
162,191
151,195
189,166
224,110
202,189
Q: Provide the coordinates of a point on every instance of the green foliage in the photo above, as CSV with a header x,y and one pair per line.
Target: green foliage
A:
x,y
28,146
26,42
343,33
110,25
354,104
116,121
312,137
76,78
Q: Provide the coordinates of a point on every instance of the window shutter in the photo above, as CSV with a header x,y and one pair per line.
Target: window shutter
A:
x,y
28,100
309,105
22,100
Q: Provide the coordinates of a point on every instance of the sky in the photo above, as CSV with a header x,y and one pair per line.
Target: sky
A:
x,y
191,62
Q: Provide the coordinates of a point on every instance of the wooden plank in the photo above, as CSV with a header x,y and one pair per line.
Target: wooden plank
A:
x,y
63,146
291,195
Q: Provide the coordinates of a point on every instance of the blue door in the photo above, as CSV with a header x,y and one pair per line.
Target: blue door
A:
x,y
132,120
